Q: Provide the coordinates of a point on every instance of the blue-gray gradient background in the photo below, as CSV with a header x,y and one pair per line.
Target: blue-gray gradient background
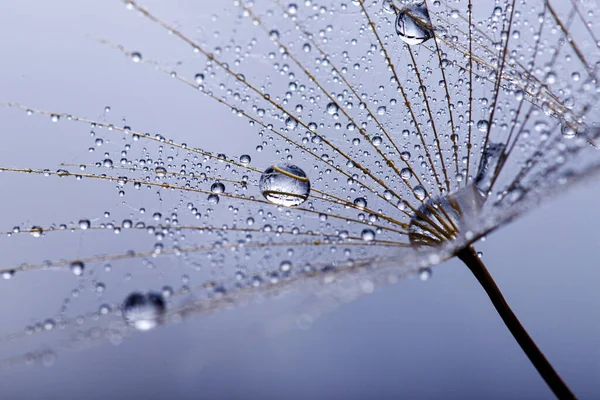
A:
x,y
435,339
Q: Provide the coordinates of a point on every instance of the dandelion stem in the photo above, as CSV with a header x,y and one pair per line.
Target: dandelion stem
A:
x,y
537,358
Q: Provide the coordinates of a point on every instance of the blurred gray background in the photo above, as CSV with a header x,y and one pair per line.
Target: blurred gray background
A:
x,y
435,339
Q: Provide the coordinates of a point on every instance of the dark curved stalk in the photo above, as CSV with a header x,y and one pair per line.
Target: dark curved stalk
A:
x,y
537,358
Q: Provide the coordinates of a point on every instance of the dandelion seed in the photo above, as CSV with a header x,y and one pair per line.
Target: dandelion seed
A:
x,y
448,139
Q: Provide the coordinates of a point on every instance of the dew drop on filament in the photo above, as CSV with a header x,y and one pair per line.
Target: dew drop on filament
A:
x,y
144,311
413,25
367,235
493,156
284,184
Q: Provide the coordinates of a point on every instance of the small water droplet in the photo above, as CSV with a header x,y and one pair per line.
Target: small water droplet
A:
x,y
217,187
144,311
77,268
425,274
160,171
136,57
84,224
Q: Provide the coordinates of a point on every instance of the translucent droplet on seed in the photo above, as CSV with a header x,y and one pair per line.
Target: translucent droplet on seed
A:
x,y
368,235
406,173
284,184
77,268
213,198
136,57
144,311
388,6
492,157
37,231
199,78
425,274
483,126
419,192
291,123
217,187
568,131
413,25
360,202
245,159
160,171
84,224
332,108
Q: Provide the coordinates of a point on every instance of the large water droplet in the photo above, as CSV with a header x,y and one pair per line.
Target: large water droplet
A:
x,y
413,25
284,184
367,235
419,192
492,157
144,311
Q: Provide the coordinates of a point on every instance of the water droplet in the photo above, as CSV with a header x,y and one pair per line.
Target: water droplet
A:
x,y
284,184
360,203
285,266
77,268
245,159
144,311
568,131
199,78
493,156
388,6
136,57
160,171
84,224
368,235
217,187
424,274
332,108
406,173
6,275
413,25
37,231
483,125
213,198
291,123
419,192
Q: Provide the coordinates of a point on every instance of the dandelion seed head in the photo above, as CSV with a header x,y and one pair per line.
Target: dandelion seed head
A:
x,y
376,139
